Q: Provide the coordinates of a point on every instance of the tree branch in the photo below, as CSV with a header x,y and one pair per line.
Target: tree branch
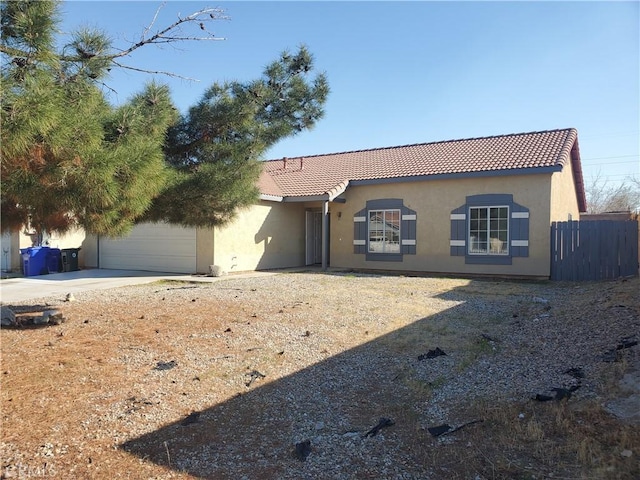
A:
x,y
158,72
201,16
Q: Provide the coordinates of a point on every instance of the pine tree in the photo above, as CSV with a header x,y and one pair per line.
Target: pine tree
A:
x,y
214,150
70,159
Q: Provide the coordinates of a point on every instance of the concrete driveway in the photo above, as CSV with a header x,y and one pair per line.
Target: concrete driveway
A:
x,y
23,289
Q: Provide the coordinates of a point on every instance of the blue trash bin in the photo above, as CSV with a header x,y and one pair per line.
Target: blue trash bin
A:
x,y
24,254
34,261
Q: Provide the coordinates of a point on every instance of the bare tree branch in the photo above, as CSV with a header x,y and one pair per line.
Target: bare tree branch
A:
x,y
168,34
158,72
603,197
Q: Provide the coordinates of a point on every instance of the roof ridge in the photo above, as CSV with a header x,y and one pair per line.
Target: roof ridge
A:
x,y
568,129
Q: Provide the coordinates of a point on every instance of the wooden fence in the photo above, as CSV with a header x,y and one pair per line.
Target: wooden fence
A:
x,y
594,249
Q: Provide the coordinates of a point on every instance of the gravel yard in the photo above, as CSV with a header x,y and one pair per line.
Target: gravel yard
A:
x,y
287,377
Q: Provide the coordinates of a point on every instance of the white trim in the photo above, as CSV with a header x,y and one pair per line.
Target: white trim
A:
x,y
271,198
458,216
408,242
359,242
457,243
519,214
519,243
359,219
409,217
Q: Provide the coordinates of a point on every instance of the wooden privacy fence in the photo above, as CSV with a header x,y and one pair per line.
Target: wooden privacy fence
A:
x,y
594,249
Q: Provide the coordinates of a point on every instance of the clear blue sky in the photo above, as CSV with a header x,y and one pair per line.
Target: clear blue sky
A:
x,y
414,72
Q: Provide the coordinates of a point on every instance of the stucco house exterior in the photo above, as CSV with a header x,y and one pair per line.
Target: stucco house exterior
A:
x,y
479,206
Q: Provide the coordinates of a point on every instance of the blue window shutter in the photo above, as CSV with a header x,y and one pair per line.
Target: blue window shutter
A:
x,y
519,231
458,241
360,231
408,231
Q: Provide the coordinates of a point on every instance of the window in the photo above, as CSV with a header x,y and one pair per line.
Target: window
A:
x,y
489,230
384,231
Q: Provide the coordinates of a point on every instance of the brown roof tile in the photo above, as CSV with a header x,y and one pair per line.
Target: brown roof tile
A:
x,y
322,174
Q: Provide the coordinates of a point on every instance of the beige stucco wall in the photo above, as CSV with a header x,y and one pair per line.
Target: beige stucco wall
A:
x,y
563,199
266,235
433,202
204,249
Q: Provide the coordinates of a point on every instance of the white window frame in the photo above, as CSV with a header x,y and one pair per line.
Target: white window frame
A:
x,y
494,245
387,247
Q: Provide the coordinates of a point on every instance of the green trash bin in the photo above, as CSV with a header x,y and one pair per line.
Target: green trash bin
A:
x,y
69,259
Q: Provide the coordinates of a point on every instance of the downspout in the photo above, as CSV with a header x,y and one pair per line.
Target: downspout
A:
x,y
325,234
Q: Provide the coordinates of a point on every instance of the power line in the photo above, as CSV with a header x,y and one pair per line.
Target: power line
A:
x,y
612,135
609,163
607,158
625,175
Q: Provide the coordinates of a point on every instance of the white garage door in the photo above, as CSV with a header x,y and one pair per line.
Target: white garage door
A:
x,y
154,247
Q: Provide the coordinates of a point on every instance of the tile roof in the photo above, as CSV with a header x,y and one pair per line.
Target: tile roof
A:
x,y
330,174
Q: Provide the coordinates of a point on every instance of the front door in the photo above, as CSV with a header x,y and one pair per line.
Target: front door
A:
x,y
313,237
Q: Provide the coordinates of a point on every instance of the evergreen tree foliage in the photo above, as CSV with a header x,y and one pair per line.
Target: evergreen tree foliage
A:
x,y
70,159
214,149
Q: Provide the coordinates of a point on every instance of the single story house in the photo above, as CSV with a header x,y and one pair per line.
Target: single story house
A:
x,y
478,206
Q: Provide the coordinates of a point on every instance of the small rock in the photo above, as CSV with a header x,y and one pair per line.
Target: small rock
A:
x,y
383,423
8,317
440,429
53,317
43,320
10,472
626,453
303,449
70,298
166,365
575,372
437,352
610,356
193,417
319,425
215,271
253,375
540,300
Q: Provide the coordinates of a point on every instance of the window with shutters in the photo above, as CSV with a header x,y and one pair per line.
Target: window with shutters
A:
x,y
490,229
385,230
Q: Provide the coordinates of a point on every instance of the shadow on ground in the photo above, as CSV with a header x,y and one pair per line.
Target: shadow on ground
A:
x,y
331,404
317,422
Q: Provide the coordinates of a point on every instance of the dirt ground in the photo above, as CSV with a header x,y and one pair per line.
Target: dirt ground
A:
x,y
184,381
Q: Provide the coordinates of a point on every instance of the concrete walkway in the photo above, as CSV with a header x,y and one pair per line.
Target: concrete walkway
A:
x,y
60,284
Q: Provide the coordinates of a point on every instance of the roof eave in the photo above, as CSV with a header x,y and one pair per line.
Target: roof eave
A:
x,y
456,175
329,196
271,198
578,179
